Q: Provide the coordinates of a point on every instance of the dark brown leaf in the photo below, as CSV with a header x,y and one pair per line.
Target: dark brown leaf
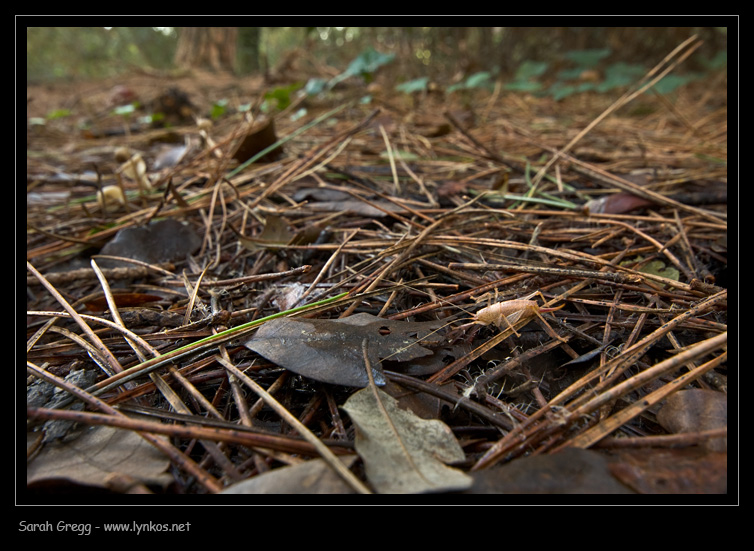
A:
x,y
681,471
571,471
259,137
162,241
330,350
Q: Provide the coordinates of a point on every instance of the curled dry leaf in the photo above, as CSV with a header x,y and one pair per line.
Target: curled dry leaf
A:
x,y
275,235
259,136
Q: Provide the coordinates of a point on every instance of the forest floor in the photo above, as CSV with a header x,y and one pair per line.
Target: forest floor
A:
x,y
381,226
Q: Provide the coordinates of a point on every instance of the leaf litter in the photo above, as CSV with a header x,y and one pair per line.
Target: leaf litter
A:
x,y
441,246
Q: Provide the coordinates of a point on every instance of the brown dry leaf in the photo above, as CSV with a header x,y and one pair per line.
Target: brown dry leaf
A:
x,y
411,461
667,471
124,300
161,241
169,156
356,207
276,234
330,200
259,137
570,471
696,410
98,453
309,477
330,350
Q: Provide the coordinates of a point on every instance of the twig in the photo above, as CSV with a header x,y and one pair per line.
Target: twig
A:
x,y
113,363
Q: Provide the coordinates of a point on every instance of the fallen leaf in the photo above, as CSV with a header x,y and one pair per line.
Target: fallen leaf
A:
x,y
170,156
570,471
259,136
330,200
275,235
657,267
330,350
310,477
406,454
99,452
162,241
696,410
122,300
672,471
55,429
356,207
288,295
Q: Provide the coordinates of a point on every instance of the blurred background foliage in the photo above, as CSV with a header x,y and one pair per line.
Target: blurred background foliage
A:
x,y
446,55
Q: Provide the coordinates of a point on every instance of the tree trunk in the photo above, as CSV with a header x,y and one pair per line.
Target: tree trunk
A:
x,y
212,48
249,56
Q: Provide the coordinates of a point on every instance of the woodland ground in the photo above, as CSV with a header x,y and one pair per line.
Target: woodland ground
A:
x,y
423,208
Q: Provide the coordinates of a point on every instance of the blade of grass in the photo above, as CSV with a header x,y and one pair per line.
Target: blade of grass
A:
x,y
198,346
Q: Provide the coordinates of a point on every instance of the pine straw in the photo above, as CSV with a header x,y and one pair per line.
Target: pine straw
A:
x,y
441,249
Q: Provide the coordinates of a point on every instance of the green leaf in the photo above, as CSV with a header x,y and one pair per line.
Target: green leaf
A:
x,y
218,108
531,69
315,86
368,62
570,74
364,65
482,79
670,83
58,114
125,110
280,97
300,113
411,86
560,90
657,267
620,74
523,86
654,267
587,58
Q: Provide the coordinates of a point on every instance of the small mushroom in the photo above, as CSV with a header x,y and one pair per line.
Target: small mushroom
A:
x,y
136,169
111,199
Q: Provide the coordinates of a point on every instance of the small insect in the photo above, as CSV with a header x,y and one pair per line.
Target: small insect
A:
x,y
505,314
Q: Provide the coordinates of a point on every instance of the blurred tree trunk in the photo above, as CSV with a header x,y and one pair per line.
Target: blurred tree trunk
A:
x,y
212,48
249,55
